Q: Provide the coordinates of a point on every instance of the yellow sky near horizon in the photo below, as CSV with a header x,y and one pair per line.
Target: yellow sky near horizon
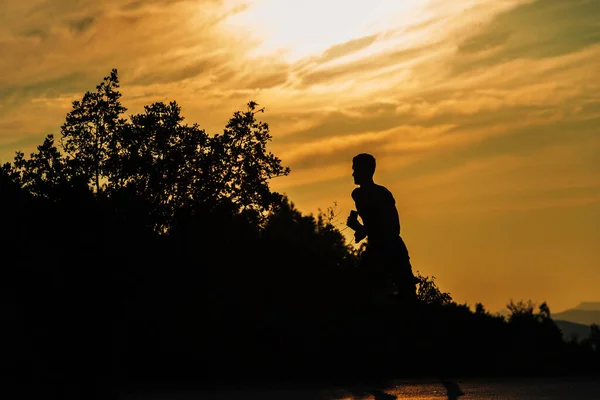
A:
x,y
484,115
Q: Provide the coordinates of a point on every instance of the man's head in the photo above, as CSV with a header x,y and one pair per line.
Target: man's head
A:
x,y
363,168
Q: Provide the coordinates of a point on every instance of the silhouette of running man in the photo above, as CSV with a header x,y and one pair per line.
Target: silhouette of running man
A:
x,y
386,258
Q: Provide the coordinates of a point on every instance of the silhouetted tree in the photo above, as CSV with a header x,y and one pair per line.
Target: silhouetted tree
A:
x,y
241,164
90,132
162,162
521,310
480,309
10,180
46,173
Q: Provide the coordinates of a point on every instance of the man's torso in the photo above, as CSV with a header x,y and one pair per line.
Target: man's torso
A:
x,y
377,209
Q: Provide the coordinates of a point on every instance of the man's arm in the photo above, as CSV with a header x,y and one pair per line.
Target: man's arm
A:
x,y
352,222
360,234
359,230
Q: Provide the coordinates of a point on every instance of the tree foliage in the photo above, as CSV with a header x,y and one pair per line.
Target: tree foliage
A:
x,y
241,163
155,159
90,133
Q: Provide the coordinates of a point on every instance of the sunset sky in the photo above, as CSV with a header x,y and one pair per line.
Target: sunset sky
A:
x,y
484,115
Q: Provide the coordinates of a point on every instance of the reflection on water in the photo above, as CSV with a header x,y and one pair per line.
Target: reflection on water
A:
x,y
421,391
500,389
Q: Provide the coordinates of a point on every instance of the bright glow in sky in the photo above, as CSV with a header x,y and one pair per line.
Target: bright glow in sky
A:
x,y
297,29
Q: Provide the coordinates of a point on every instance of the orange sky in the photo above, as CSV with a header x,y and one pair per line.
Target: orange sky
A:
x,y
484,115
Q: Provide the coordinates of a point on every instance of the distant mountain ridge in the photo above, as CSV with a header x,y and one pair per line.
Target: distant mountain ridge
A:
x,y
587,313
575,322
589,306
